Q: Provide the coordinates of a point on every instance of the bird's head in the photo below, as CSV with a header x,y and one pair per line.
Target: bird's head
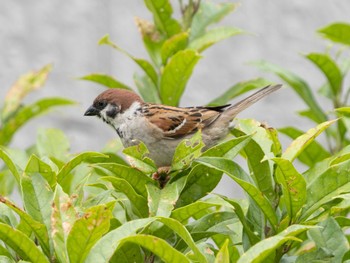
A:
x,y
112,102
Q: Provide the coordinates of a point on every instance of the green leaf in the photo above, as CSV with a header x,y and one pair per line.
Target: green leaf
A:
x,y
128,253
264,248
337,32
35,165
91,157
139,203
327,185
330,69
52,143
209,13
172,45
223,255
293,186
135,178
86,231
137,157
10,164
175,76
26,113
62,219
186,151
162,201
20,243
297,84
38,229
105,247
313,153
300,143
238,89
330,237
162,11
23,86
213,36
144,64
106,80
230,168
147,89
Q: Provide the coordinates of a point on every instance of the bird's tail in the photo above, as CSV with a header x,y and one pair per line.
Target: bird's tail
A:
x,y
233,110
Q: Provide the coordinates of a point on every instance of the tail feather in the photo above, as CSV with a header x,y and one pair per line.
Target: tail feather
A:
x,y
233,110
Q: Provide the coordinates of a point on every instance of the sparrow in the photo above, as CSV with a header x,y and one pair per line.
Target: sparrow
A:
x,y
161,128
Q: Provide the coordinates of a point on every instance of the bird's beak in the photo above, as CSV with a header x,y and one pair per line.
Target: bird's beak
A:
x,y
92,111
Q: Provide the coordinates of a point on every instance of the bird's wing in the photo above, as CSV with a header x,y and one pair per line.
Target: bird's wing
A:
x,y
178,122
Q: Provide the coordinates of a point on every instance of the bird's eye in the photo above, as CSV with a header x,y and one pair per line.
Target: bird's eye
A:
x,y
101,104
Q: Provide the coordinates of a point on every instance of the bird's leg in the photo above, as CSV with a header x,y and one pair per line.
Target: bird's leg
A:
x,y
162,175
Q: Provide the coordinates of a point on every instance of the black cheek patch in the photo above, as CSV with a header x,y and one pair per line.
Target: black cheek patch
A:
x,y
112,112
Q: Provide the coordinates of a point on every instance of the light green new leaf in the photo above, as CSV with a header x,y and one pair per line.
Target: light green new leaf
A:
x,y
161,202
91,157
328,184
260,251
137,157
52,143
20,243
105,247
238,89
229,167
223,255
173,45
175,76
157,246
139,203
62,219
135,178
213,36
297,84
146,88
208,14
35,165
187,151
337,32
38,229
162,12
144,64
293,186
330,237
86,231
330,69
10,164
23,86
313,153
105,80
26,113
300,143
182,214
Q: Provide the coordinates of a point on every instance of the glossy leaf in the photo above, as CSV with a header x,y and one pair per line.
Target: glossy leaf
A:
x,y
172,45
213,36
229,167
337,32
20,243
162,12
175,76
35,165
330,69
239,89
23,86
26,113
310,155
300,143
138,158
86,231
223,255
105,247
297,84
105,80
293,186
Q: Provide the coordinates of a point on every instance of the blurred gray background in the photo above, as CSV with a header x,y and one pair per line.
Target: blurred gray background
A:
x,y
37,32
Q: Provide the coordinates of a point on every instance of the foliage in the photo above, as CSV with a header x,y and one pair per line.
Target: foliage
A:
x,y
93,207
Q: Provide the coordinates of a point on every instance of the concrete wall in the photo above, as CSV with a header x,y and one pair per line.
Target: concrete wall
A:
x,y
65,33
